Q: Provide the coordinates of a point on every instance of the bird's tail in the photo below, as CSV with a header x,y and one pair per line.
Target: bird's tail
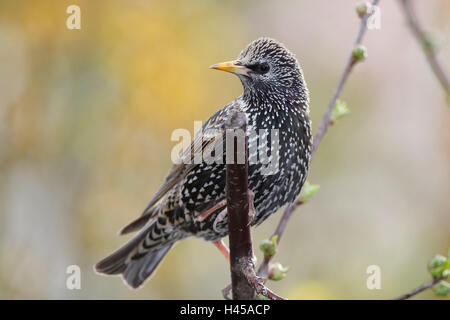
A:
x,y
138,258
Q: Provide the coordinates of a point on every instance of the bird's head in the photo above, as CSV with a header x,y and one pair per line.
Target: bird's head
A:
x,y
266,65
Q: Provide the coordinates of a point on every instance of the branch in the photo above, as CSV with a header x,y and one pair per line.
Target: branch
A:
x,y
351,61
245,283
258,283
237,206
419,289
439,269
428,46
323,128
263,270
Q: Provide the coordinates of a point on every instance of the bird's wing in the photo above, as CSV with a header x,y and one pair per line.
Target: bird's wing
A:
x,y
212,132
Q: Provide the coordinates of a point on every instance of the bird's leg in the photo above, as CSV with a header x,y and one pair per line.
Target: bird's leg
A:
x,y
223,248
251,211
210,211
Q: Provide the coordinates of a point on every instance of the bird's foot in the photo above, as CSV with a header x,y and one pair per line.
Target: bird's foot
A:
x,y
251,211
210,211
219,218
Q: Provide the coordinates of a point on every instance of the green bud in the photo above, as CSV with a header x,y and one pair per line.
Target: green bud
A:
x,y
437,261
433,41
261,297
359,53
340,109
269,247
362,8
277,272
438,265
308,191
442,289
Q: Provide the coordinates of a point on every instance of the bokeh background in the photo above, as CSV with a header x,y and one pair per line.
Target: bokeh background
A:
x,y
85,123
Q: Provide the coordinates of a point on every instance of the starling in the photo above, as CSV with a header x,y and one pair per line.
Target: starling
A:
x,y
275,99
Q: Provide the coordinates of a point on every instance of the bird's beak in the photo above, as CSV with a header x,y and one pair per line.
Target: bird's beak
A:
x,y
231,66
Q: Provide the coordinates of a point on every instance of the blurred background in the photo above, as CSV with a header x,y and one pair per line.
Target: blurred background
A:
x,y
86,118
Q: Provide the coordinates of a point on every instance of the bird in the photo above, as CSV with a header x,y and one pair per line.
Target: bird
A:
x,y
192,197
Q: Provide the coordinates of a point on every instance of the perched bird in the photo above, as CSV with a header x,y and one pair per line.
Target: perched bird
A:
x,y
275,98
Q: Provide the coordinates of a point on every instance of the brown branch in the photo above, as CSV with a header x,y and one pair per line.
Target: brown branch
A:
x,y
427,46
245,283
238,209
419,289
323,128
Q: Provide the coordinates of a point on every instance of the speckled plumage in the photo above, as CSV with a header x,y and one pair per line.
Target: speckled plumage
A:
x,y
276,98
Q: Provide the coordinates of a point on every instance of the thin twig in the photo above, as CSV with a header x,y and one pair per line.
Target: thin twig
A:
x,y
257,282
428,48
325,123
323,128
226,292
419,289
263,270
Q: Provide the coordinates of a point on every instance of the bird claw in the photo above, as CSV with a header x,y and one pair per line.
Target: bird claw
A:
x,y
251,211
210,211
219,218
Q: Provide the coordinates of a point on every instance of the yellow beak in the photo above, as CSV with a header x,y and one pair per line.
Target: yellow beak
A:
x,y
231,66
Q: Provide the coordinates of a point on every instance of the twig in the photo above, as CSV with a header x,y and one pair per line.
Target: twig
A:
x,y
419,289
325,123
263,270
226,292
323,128
257,282
428,48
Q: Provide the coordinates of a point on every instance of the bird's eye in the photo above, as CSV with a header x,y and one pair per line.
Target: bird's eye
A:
x,y
260,68
264,67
